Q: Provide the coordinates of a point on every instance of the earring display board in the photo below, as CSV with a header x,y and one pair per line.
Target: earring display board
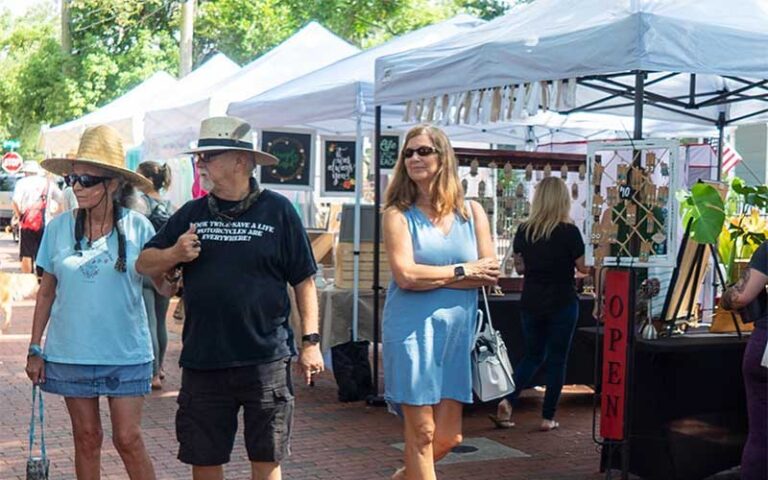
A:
x,y
294,153
633,213
339,168
389,148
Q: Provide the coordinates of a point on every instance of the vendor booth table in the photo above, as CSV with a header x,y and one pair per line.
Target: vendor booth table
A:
x,y
687,409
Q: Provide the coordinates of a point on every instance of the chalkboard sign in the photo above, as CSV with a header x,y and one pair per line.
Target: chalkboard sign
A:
x,y
339,175
294,154
389,150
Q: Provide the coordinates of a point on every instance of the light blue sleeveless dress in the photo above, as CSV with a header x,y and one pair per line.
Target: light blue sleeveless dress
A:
x,y
427,335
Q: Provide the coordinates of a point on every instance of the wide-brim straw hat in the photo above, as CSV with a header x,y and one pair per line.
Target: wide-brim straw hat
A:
x,y
229,133
102,147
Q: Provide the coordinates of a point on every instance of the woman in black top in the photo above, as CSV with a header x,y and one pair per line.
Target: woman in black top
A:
x,y
546,249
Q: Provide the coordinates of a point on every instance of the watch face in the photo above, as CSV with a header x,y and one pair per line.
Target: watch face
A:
x,y
458,271
313,338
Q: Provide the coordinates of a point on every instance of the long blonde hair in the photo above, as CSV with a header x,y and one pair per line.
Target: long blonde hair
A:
x,y
551,206
446,194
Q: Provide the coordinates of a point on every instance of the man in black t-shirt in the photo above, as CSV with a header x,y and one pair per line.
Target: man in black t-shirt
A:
x,y
239,248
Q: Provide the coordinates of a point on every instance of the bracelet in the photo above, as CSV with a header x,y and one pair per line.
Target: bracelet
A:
x,y
35,351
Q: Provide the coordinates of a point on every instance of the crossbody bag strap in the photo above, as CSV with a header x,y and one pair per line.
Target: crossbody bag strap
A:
x,y
35,394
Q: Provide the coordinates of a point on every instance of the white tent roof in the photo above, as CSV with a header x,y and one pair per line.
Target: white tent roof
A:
x,y
330,98
170,130
552,40
123,113
198,83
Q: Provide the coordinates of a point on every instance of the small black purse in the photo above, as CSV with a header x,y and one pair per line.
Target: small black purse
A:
x,y
37,467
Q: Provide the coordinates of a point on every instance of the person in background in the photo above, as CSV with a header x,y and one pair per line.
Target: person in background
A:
x,y
152,205
36,201
749,294
547,247
440,250
239,247
97,341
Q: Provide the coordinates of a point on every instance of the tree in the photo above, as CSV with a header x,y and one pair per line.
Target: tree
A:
x,y
486,9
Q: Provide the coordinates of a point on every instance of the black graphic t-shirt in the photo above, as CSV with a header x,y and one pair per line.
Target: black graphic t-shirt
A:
x,y
549,265
757,310
235,293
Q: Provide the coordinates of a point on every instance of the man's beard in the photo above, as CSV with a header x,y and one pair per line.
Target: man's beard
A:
x,y
206,183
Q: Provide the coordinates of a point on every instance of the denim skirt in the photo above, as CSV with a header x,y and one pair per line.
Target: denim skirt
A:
x,y
89,381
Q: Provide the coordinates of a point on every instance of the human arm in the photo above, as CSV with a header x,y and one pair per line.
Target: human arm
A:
x,y
410,275
16,209
486,252
310,358
581,267
46,294
750,284
154,262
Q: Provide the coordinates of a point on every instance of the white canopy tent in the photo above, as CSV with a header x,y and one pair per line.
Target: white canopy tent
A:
x,y
170,129
332,101
189,89
124,114
598,56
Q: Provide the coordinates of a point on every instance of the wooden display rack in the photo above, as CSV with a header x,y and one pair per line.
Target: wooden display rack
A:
x,y
345,259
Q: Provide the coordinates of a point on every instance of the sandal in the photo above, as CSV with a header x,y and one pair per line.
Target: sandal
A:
x,y
501,422
548,425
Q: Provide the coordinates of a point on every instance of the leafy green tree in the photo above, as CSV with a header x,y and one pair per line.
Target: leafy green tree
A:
x,y
485,9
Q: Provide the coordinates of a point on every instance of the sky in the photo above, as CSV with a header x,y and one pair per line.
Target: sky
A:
x,y
18,7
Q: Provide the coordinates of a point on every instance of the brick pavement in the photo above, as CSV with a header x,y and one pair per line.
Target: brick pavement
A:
x,y
332,440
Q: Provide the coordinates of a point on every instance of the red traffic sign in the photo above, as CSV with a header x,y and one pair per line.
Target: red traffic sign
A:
x,y
12,162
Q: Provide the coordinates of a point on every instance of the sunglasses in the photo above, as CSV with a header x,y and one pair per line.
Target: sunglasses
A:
x,y
208,157
422,151
87,181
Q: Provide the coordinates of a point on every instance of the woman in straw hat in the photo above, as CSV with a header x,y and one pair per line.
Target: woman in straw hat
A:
x,y
98,341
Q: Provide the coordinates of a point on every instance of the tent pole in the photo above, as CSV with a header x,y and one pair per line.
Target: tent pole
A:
x,y
358,198
639,99
376,240
720,140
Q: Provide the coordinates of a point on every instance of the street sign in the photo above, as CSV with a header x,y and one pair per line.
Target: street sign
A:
x,y
12,162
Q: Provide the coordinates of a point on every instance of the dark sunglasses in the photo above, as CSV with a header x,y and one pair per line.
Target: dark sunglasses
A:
x,y
87,181
208,157
422,151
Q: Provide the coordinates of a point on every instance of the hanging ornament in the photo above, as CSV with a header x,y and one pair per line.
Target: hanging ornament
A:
x,y
650,223
631,214
509,202
650,161
597,174
520,190
662,196
658,238
582,171
664,169
575,191
481,189
613,233
597,205
547,171
507,170
597,234
527,209
621,173
613,196
636,178
564,172
474,165
493,165
464,185
528,172
649,193
645,251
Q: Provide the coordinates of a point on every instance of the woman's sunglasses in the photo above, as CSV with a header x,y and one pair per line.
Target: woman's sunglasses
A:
x,y
422,151
87,181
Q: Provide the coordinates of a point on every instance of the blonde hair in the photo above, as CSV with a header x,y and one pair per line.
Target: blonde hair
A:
x,y
446,193
551,206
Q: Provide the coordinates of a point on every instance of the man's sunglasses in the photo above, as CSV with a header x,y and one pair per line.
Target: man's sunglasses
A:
x,y
422,151
87,181
208,157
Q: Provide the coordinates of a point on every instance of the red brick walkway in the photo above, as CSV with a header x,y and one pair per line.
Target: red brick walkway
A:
x,y
332,440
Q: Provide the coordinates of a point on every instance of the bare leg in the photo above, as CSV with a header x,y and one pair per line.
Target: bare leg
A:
x,y
215,472
265,471
26,264
126,436
447,427
419,435
88,435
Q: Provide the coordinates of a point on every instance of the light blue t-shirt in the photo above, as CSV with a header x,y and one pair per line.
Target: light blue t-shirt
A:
x,y
98,315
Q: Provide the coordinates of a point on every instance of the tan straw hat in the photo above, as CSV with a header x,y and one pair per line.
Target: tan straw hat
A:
x,y
102,147
229,133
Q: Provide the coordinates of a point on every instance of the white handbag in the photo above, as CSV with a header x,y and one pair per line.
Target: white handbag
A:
x,y
491,370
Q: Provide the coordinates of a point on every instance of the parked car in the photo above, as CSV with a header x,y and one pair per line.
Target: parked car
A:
x,y
7,183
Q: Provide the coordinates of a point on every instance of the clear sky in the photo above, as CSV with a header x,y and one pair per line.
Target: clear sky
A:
x,y
18,7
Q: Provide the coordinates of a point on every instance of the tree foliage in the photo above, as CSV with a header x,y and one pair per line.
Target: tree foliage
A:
x,y
118,44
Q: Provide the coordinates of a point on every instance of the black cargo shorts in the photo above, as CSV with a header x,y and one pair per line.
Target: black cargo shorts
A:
x,y
209,402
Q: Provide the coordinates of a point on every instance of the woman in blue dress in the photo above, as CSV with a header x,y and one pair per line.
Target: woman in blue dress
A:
x,y
440,251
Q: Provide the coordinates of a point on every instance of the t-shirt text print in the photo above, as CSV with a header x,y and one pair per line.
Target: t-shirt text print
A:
x,y
218,231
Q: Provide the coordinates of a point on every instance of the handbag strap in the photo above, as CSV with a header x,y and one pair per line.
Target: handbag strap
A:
x,y
482,317
36,393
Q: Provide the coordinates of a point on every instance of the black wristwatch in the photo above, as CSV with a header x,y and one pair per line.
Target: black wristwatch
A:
x,y
312,338
459,273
